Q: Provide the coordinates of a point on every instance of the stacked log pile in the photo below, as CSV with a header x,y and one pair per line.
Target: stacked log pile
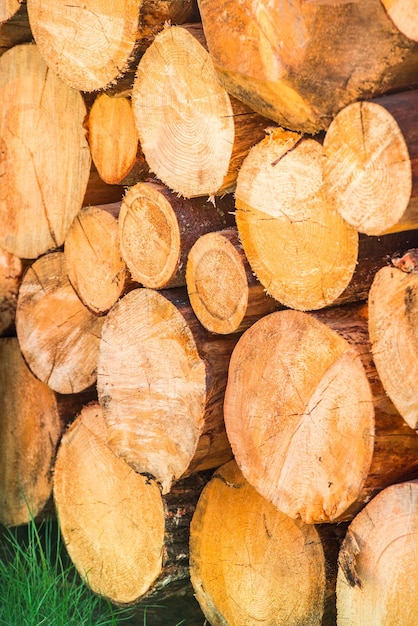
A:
x,y
209,300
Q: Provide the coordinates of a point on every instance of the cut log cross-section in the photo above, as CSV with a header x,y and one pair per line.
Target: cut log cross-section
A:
x,y
377,579
301,63
125,539
32,418
94,264
44,157
197,136
58,335
393,328
114,142
157,228
299,247
309,422
223,291
372,163
161,380
251,564
11,270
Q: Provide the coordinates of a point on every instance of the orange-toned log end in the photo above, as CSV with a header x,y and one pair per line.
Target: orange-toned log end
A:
x,y
30,428
87,45
111,518
299,247
157,228
393,328
299,415
196,138
377,579
95,267
58,335
404,14
251,564
371,150
222,289
114,142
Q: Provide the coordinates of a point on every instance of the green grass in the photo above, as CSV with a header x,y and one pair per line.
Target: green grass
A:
x,y
40,586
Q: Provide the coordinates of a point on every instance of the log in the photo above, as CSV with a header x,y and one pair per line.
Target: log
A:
x,y
114,142
404,14
95,267
126,540
223,291
197,136
11,270
377,579
160,380
251,564
14,25
31,423
299,247
91,46
299,64
309,422
157,228
372,163
45,156
393,310
87,45
58,335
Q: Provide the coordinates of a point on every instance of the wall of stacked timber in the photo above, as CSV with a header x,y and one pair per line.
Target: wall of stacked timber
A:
x,y
209,300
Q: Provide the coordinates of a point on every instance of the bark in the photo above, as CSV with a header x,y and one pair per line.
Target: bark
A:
x,y
372,163
377,577
404,14
393,317
197,136
299,247
309,422
161,381
58,335
9,8
114,142
251,564
14,25
223,291
126,540
11,269
45,158
301,63
31,424
95,267
99,192
157,228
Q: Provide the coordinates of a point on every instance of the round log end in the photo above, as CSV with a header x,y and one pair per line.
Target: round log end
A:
x,y
299,415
